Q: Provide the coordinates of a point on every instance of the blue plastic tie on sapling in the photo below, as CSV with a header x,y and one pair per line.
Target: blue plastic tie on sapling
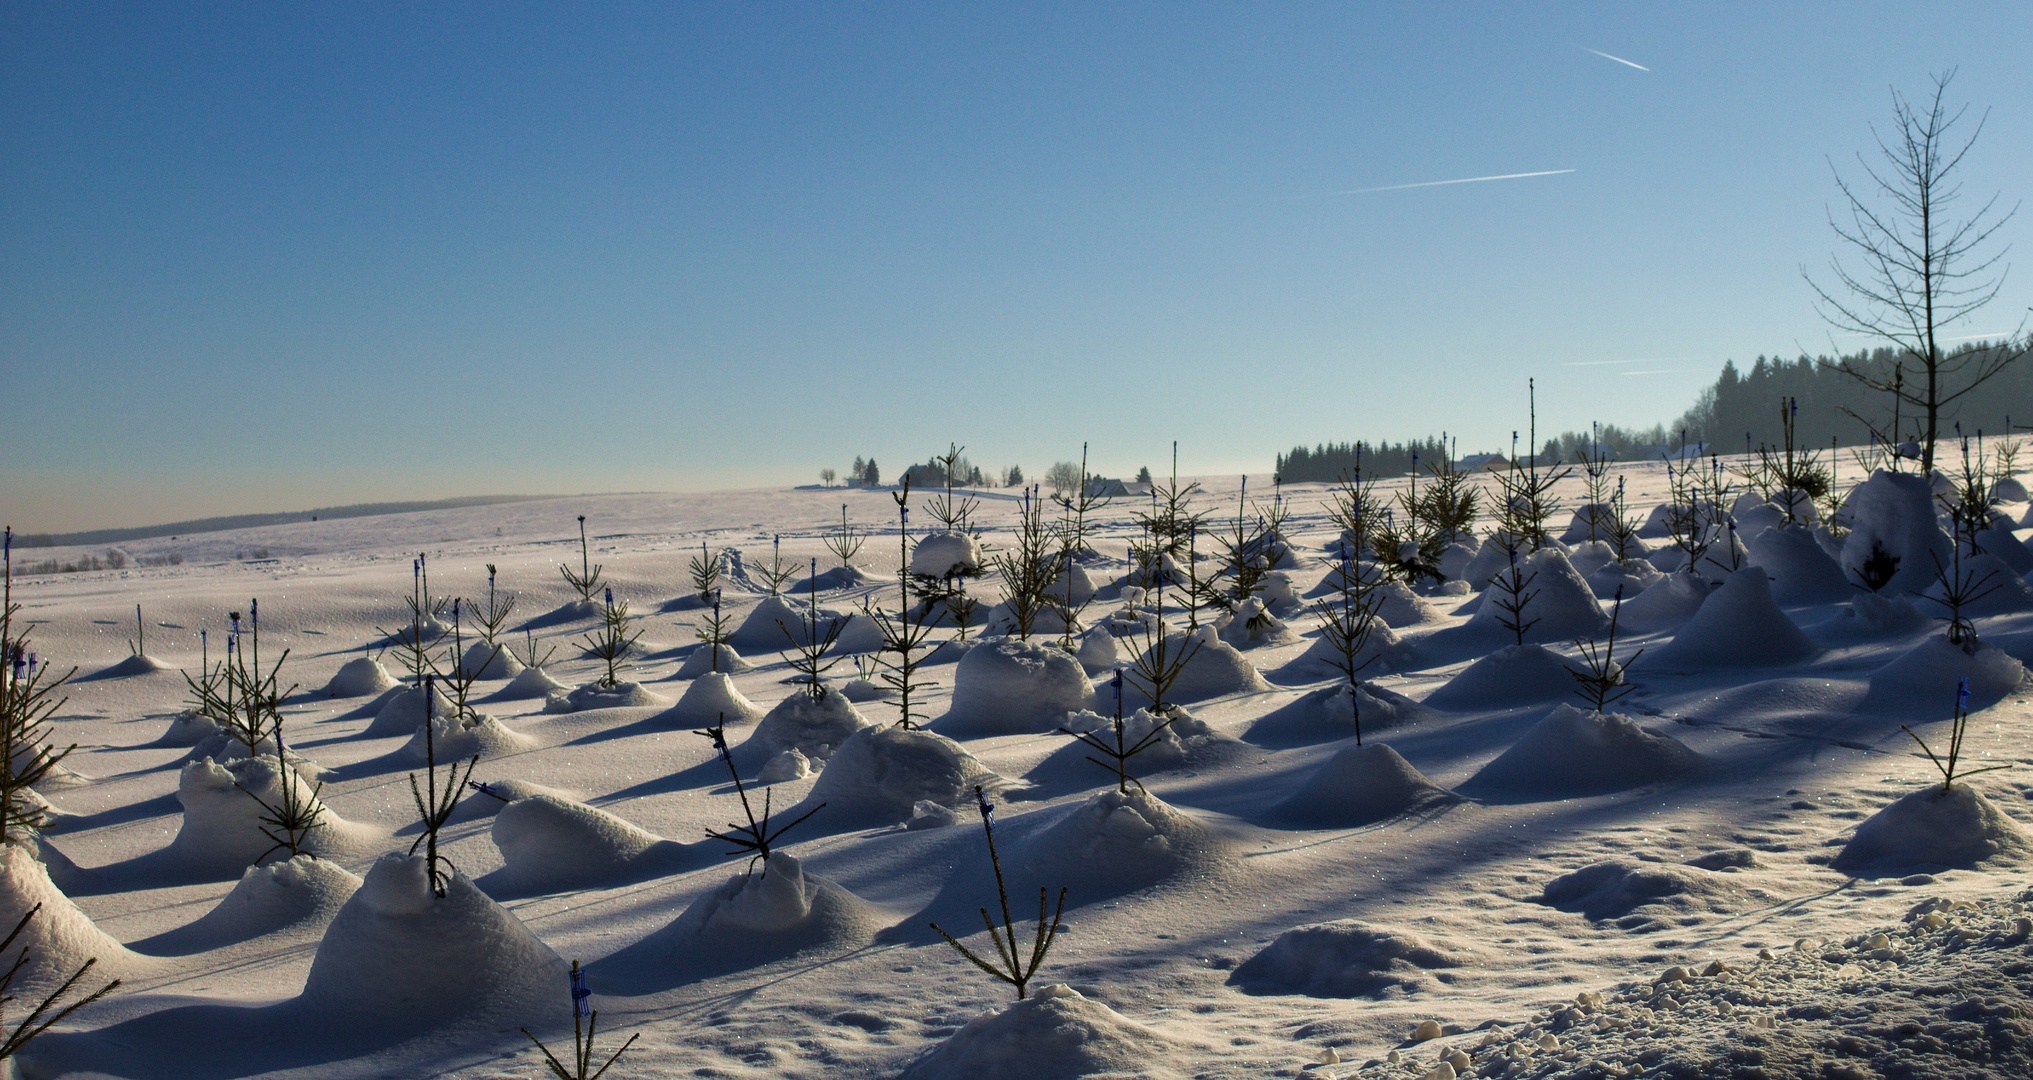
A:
x,y
579,993
987,808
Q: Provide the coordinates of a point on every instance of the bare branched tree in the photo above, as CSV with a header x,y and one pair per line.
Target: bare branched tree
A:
x,y
1918,267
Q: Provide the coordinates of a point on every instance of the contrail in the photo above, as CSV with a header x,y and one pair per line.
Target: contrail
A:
x,y
1618,59
1438,183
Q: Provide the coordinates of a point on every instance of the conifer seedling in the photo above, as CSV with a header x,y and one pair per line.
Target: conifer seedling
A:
x,y
756,838
1010,965
434,804
585,1026
1601,676
1958,727
586,581
1122,749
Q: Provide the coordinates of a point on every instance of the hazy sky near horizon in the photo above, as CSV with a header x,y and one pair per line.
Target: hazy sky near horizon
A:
x,y
268,257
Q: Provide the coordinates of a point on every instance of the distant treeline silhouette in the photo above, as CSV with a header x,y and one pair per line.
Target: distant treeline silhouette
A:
x,y
1740,410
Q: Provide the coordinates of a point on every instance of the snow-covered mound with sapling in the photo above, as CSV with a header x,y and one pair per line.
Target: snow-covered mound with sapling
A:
x,y
1557,603
1212,668
814,726
488,797
1382,653
1004,686
773,910
135,664
189,728
1186,742
1360,785
1617,888
402,711
1334,712
1739,625
1632,576
297,896
484,661
358,677
400,958
1668,604
550,843
622,694
1935,828
224,805
1348,958
532,682
1574,753
1054,1034
709,658
1114,843
1510,676
1252,626
457,738
1801,572
880,774
712,699
1894,538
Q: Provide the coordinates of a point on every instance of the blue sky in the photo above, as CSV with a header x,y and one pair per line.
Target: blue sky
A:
x,y
261,257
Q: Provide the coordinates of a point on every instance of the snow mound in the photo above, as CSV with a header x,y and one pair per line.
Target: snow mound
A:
x,y
1931,828
704,659
1360,785
189,728
1564,605
1331,713
1055,1034
1589,557
1874,615
2005,592
398,955
712,700
786,767
771,625
2008,489
457,740
551,843
1921,684
1187,742
1613,889
939,554
484,661
1382,653
1346,959
222,827
1004,687
1253,626
60,938
533,682
493,795
135,664
1739,625
358,677
1634,576
622,695
2000,540
1512,675
1893,513
1111,843
879,774
402,711
1802,573
1081,584
569,611
814,726
300,894
1574,753
1666,605
1215,669
766,911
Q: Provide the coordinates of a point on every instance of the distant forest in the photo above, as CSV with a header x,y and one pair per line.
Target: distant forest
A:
x,y
1741,410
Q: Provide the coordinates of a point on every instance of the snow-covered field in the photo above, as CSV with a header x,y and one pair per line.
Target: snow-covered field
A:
x,y
1555,892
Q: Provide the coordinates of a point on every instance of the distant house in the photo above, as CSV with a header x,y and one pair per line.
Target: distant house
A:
x,y
1103,487
1482,463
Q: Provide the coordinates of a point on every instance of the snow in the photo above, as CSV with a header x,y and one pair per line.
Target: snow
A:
x,y
707,659
1348,958
1360,785
1055,1034
1569,862
1572,752
1006,686
359,677
1933,829
1739,625
1893,513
